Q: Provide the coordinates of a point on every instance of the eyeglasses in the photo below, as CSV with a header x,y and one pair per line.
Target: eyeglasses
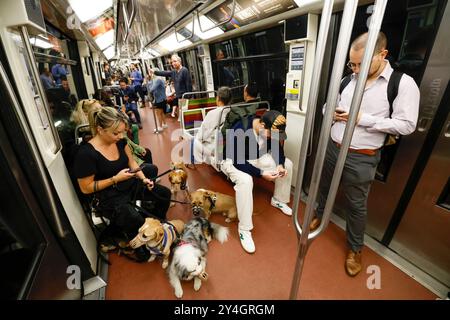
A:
x,y
352,65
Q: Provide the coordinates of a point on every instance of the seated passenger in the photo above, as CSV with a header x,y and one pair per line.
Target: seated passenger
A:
x,y
102,167
47,79
257,152
80,116
131,108
204,142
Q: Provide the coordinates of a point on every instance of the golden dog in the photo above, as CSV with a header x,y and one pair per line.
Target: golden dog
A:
x,y
178,180
208,201
158,238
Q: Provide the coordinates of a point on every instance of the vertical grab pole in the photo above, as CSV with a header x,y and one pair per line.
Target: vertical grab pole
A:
x,y
312,102
341,54
154,118
374,28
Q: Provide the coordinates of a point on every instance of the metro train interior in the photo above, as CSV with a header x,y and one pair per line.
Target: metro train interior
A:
x,y
58,55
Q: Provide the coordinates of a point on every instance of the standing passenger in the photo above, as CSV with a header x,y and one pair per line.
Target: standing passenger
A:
x,y
181,78
372,125
156,87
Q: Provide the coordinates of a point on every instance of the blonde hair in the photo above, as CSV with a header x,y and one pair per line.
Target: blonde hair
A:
x,y
106,118
80,114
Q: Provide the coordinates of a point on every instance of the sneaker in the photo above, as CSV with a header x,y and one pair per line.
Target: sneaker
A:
x,y
282,206
247,241
172,115
165,126
160,129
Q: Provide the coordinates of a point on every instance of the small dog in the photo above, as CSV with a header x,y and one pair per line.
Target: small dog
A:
x,y
208,202
178,180
158,238
189,255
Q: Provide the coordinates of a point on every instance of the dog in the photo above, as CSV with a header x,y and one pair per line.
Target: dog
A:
x,y
208,202
178,180
189,255
158,238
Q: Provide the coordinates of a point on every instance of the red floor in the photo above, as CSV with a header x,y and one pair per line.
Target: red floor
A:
x,y
266,274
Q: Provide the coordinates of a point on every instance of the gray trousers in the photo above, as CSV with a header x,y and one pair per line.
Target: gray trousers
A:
x,y
357,176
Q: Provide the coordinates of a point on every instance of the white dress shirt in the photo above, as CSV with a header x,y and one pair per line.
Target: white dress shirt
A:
x,y
370,132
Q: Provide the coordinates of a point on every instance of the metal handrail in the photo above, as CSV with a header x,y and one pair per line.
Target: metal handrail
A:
x,y
128,20
245,104
219,24
312,101
192,31
197,92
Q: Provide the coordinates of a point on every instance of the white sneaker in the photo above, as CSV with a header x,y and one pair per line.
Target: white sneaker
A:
x,y
247,240
160,129
164,126
282,206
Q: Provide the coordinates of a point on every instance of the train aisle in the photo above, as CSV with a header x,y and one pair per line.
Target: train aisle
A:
x,y
266,274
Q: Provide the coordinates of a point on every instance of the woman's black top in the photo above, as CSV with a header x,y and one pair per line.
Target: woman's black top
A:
x,y
89,162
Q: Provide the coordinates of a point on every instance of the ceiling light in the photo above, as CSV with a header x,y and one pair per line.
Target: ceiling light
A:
x,y
87,10
105,40
171,42
206,24
109,53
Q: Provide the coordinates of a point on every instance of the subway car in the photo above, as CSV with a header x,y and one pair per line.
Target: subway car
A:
x,y
59,56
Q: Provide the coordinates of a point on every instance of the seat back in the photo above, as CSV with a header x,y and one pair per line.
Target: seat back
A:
x,y
191,120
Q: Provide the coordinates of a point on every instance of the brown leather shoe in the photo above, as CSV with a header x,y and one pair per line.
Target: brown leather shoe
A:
x,y
353,263
315,223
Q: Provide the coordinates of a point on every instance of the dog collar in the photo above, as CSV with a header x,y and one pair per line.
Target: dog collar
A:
x,y
182,243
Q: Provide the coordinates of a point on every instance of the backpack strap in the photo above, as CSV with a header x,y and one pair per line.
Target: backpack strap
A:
x,y
392,89
345,81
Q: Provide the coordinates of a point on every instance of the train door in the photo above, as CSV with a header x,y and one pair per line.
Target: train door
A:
x,y
16,32
420,234
35,262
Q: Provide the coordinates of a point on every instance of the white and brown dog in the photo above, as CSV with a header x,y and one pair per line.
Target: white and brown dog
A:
x,y
158,238
189,255
178,180
208,202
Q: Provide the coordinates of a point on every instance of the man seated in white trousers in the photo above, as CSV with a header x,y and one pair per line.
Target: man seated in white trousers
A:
x,y
253,149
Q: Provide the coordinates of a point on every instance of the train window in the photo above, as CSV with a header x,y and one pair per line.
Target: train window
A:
x,y
260,57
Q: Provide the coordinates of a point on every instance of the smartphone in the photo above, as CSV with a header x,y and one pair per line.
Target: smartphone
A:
x,y
135,170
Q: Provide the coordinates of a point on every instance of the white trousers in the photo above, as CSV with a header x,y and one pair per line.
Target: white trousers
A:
x,y
243,185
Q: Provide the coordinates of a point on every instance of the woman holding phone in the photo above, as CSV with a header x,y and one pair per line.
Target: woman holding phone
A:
x,y
105,166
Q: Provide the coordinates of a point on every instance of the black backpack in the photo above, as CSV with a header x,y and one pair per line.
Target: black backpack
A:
x,y
392,92
236,114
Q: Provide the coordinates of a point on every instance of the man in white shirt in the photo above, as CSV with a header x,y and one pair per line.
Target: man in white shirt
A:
x,y
373,123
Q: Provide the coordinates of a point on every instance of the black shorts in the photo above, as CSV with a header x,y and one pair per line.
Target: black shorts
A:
x,y
160,105
175,102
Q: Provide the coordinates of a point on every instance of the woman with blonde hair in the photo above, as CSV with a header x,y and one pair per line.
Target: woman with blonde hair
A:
x,y
105,167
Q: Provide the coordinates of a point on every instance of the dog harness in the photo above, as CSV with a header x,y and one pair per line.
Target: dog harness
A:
x,y
168,238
